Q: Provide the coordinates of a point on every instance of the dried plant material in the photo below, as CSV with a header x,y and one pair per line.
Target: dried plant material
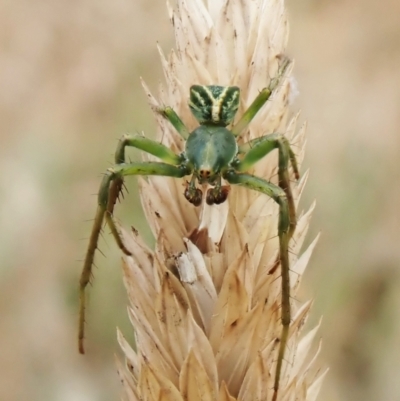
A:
x,y
206,304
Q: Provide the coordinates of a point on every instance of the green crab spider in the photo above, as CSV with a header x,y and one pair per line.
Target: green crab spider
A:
x,y
212,153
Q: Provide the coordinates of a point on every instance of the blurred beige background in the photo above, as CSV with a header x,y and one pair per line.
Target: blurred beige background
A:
x,y
69,87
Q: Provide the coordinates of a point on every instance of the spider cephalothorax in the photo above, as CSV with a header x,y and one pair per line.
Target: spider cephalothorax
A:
x,y
212,154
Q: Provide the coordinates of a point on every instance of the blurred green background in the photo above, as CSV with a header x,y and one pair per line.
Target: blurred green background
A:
x,y
69,79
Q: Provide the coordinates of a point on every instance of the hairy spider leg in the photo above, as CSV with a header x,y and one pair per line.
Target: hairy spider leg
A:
x,y
258,148
108,194
253,151
279,196
147,145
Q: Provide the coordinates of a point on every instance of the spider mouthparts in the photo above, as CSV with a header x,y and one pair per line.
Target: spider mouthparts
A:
x,y
193,195
217,195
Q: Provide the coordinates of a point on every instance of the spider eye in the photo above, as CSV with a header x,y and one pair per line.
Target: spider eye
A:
x,y
214,104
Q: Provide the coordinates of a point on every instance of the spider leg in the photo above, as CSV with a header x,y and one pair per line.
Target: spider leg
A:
x,y
108,194
141,142
147,145
259,101
256,149
279,196
170,114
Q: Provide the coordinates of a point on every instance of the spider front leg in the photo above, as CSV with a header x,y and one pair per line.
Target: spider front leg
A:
x,y
279,196
147,145
253,151
256,149
108,194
